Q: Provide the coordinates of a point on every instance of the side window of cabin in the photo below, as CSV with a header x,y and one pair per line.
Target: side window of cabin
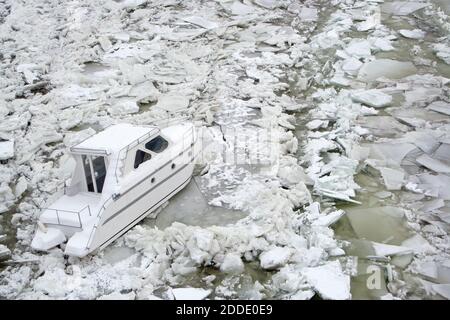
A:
x,y
158,144
141,157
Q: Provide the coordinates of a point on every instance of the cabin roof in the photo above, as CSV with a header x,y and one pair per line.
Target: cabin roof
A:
x,y
114,138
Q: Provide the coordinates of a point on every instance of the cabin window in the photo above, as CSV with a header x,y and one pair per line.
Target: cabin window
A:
x,y
141,157
95,172
88,174
158,144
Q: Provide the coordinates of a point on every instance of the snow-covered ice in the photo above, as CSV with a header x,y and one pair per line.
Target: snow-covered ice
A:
x,y
373,98
326,98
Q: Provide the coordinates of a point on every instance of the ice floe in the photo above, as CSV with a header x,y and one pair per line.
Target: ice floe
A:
x,y
373,98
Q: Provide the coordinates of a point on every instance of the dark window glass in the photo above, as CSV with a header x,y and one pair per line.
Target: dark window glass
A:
x,y
141,157
99,171
98,164
88,175
158,144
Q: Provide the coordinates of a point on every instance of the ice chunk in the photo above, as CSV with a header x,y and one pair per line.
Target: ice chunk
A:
x,y
105,43
308,14
432,205
238,9
6,150
329,219
329,281
351,66
379,224
412,34
418,244
172,102
268,4
30,71
373,98
433,164
382,249
402,8
393,178
382,126
202,22
439,182
428,269
358,48
443,272
316,124
190,293
443,52
421,96
275,258
118,296
5,253
124,107
443,153
382,44
21,186
442,289
232,263
69,118
370,23
424,140
440,106
388,68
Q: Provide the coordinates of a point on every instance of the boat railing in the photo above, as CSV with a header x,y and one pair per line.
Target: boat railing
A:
x,y
61,188
123,153
60,221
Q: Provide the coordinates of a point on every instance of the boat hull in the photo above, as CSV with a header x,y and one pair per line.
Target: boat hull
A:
x,y
131,208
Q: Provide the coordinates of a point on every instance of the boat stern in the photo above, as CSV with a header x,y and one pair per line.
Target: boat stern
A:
x,y
47,238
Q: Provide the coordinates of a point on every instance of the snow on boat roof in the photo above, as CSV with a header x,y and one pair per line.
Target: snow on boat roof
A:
x,y
114,138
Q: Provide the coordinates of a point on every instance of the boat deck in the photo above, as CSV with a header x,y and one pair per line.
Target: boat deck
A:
x,y
72,211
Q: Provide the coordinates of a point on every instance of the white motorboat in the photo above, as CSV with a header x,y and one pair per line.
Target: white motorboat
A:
x,y
122,175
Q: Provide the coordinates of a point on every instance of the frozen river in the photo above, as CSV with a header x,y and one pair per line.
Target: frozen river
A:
x,y
325,128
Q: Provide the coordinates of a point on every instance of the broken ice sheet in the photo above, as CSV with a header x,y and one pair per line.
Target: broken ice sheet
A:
x,y
329,281
202,22
393,178
373,98
440,106
412,34
433,164
5,253
435,184
6,149
172,102
190,293
443,52
402,8
238,8
379,224
382,249
308,14
419,244
275,258
387,68
383,126
370,22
